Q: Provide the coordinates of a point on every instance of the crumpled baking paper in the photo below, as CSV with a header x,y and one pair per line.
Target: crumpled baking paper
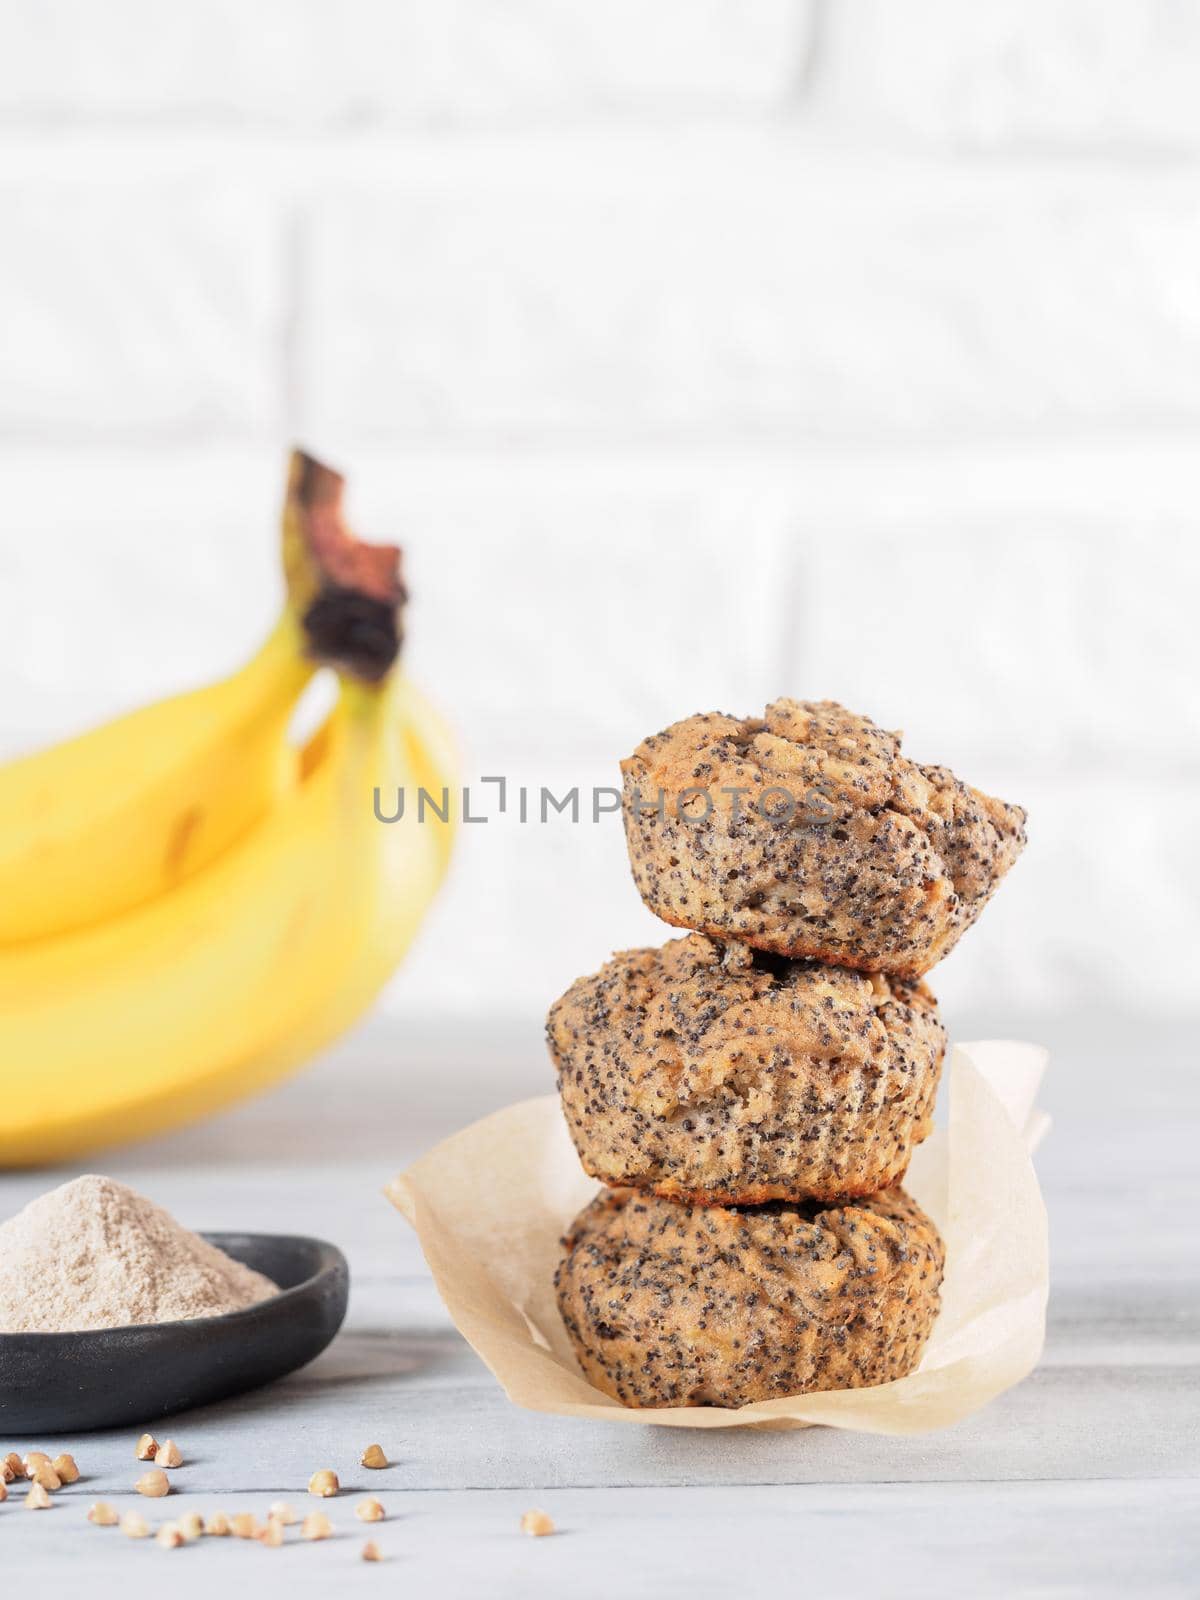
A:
x,y
491,1204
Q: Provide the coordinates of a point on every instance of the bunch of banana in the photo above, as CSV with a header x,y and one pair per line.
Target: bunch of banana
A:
x,y
190,905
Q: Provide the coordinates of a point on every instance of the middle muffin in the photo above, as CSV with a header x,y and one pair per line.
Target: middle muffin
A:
x,y
719,1075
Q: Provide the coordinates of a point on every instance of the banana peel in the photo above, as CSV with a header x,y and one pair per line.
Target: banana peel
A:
x,y
210,988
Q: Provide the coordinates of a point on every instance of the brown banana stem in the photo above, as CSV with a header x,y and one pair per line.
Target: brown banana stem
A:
x,y
348,595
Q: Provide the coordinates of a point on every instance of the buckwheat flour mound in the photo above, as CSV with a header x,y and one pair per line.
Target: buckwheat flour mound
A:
x,y
95,1254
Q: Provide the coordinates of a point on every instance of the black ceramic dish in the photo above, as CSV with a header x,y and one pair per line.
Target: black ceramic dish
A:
x,y
124,1377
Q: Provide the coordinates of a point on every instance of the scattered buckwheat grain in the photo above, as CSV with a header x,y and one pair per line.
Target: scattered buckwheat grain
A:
x,y
103,1515
537,1524
153,1484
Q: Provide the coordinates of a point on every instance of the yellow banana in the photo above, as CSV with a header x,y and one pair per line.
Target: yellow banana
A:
x,y
250,962
126,811
106,821
212,991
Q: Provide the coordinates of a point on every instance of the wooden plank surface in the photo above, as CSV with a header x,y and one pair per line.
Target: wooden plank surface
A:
x,y
1085,1480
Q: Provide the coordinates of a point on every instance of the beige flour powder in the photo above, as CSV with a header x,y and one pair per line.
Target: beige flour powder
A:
x,y
95,1254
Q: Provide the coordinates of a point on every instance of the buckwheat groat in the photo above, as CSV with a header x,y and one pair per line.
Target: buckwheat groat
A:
x,y
719,1075
806,832
668,1305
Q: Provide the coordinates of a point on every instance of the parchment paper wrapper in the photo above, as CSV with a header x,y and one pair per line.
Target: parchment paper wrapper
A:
x,y
491,1204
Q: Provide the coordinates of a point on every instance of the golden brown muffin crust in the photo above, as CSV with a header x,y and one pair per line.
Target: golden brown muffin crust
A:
x,y
718,1075
669,1305
864,858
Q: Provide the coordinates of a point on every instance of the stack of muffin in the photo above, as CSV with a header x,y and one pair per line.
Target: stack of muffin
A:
x,y
752,1093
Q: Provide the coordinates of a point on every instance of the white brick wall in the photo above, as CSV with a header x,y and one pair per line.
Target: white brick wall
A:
x,y
137,308
1101,77
736,286
698,353
368,62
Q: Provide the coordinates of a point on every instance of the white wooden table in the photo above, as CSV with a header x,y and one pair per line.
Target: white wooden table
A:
x,y
1083,1481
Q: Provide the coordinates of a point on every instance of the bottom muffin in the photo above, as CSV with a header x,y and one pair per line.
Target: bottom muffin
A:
x,y
671,1305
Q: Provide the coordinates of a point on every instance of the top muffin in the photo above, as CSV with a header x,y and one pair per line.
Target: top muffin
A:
x,y
807,833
